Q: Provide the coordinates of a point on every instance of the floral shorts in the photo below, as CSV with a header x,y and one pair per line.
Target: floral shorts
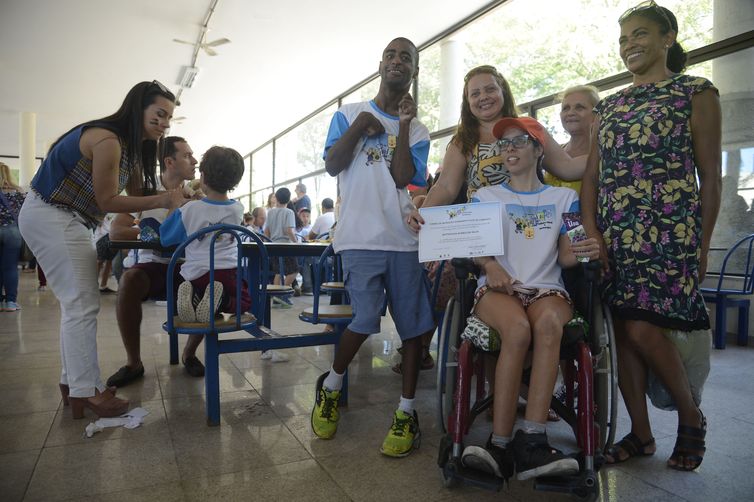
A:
x,y
484,337
527,299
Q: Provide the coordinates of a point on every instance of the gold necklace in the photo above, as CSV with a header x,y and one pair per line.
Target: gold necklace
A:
x,y
529,223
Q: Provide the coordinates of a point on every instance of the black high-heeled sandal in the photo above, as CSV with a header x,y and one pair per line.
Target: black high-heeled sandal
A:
x,y
688,446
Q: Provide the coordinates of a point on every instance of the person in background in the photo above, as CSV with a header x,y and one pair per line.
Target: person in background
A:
x,y
271,201
104,262
302,200
577,117
281,227
641,200
305,263
324,221
81,179
304,227
147,275
11,200
258,219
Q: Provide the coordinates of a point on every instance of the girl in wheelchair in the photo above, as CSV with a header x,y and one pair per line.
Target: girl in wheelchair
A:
x,y
521,296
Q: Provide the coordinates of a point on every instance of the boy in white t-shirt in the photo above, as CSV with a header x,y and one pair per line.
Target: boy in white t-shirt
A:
x,y
221,169
521,296
376,148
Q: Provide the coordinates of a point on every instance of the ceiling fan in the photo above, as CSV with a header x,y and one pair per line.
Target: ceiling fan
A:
x,y
208,47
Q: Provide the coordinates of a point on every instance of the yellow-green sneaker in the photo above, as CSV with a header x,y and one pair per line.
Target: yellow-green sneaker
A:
x,y
325,414
404,435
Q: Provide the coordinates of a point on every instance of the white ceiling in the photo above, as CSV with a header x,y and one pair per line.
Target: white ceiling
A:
x,y
74,60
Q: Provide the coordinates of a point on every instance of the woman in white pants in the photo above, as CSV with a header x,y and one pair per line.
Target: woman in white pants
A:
x,y
78,183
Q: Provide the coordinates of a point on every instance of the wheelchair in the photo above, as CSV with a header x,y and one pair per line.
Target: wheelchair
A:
x,y
588,349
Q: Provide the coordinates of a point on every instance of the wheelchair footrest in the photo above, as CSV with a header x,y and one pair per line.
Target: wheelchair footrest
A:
x,y
580,484
474,477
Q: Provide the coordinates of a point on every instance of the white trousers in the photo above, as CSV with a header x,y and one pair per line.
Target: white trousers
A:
x,y
63,247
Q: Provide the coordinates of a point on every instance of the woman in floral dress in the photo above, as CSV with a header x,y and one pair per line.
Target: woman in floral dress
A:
x,y
640,194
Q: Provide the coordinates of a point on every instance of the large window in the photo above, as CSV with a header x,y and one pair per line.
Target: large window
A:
x,y
542,47
261,168
299,152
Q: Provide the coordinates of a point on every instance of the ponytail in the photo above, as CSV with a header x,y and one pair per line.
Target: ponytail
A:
x,y
676,58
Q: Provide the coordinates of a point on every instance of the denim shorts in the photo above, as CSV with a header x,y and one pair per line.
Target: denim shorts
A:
x,y
370,275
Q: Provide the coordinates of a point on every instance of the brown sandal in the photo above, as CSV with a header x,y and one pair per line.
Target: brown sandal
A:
x,y
632,445
689,441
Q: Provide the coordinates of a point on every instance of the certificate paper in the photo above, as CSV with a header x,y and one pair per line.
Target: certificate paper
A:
x,y
460,231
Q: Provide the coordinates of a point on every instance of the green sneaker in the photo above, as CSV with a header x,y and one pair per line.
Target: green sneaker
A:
x,y
325,414
404,435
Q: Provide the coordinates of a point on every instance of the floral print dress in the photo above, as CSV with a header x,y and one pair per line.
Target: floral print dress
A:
x,y
649,204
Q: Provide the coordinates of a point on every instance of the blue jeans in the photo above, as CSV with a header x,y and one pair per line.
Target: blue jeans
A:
x,y
10,248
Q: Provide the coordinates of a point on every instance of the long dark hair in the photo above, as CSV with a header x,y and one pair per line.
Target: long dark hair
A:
x,y
467,134
667,22
128,124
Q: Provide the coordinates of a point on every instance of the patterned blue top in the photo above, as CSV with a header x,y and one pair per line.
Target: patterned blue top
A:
x,y
8,216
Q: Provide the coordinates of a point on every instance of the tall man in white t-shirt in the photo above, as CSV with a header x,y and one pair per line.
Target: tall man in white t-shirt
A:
x,y
147,277
376,148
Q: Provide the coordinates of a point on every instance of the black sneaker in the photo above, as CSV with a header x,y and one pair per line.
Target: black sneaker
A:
x,y
535,457
490,459
124,376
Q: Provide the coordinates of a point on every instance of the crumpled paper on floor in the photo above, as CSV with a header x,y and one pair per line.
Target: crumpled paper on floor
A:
x,y
130,420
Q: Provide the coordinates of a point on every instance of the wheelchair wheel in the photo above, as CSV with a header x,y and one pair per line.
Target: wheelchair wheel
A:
x,y
447,362
606,375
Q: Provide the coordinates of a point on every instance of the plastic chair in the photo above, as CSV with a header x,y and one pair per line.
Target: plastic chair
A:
x,y
724,298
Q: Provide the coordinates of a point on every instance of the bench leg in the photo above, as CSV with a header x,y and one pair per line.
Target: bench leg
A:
x,y
743,324
720,323
212,378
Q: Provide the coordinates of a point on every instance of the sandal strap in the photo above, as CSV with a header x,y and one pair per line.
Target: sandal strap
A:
x,y
631,444
689,444
694,432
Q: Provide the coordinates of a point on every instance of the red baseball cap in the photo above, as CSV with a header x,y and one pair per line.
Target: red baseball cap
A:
x,y
533,128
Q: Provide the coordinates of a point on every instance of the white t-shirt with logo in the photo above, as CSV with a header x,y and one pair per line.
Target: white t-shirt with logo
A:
x,y
532,224
193,216
372,210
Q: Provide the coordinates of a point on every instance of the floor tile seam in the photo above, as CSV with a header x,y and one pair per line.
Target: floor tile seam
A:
x,y
39,455
22,413
335,481
744,420
101,493
653,485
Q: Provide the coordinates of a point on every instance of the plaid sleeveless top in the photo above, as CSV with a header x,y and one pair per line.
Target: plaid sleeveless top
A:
x,y
65,178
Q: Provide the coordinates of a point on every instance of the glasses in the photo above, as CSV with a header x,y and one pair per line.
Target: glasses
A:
x,y
162,88
518,142
643,6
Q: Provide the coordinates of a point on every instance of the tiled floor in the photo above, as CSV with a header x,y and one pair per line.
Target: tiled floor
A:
x,y
265,450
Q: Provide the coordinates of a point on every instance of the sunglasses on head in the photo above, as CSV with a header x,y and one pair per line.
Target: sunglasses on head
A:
x,y
645,6
161,87
518,142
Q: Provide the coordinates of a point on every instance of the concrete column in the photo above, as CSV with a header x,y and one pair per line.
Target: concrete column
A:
x,y
451,81
27,137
